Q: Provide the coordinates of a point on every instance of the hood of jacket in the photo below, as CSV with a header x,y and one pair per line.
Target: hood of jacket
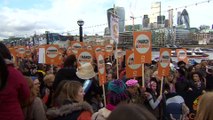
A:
x,y
68,109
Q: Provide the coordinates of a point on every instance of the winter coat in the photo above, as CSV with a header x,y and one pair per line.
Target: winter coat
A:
x,y
67,73
15,91
35,111
73,111
209,82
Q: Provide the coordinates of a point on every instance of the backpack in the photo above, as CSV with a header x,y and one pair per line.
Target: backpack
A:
x,y
174,110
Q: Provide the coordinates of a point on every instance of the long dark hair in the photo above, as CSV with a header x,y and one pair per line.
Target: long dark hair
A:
x,y
4,51
70,61
3,73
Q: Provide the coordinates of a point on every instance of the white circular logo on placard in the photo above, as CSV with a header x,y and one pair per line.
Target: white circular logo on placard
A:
x,y
52,52
75,47
130,62
98,49
21,50
89,47
84,57
142,44
109,48
165,59
28,52
182,54
101,64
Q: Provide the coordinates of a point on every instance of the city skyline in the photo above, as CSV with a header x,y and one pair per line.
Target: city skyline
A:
x,y
27,17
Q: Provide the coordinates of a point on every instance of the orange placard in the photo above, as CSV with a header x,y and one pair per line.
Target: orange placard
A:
x,y
52,54
21,50
108,50
28,53
132,70
84,56
89,47
101,68
120,55
164,62
75,45
13,53
97,49
182,55
142,47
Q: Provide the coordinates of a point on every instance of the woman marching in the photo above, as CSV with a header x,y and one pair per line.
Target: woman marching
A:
x,y
69,103
13,88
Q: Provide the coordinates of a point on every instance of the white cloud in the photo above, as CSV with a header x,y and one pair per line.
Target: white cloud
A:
x,y
61,17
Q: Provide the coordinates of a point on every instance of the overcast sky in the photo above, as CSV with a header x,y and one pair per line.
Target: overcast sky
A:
x,y
26,17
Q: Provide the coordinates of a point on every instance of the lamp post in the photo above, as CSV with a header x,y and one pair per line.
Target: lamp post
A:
x,y
47,37
80,23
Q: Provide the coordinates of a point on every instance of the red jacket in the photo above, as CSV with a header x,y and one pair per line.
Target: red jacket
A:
x,y
16,90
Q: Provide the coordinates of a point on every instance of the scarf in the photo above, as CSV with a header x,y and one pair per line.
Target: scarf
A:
x,y
8,61
110,107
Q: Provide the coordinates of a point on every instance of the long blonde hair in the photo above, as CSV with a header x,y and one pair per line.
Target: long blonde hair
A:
x,y
67,90
205,107
32,89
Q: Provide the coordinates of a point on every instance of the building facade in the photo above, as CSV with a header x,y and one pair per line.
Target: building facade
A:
x,y
120,12
145,21
170,18
183,19
155,11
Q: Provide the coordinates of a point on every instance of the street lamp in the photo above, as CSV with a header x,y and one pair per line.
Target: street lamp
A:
x,y
47,37
80,23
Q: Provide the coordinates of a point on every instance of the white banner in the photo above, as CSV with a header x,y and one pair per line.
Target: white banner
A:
x,y
114,28
41,55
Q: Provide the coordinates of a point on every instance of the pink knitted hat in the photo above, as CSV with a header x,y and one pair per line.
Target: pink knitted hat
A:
x,y
131,82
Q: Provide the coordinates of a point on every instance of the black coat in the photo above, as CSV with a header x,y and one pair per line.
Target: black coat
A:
x,y
209,82
67,73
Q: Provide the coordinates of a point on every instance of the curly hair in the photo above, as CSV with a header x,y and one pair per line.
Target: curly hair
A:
x,y
205,106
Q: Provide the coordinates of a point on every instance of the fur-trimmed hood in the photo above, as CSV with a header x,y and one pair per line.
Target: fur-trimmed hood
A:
x,y
68,109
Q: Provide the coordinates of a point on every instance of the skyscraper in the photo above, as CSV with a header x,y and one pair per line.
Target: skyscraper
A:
x,y
145,21
155,11
170,18
183,19
179,18
167,23
160,21
120,12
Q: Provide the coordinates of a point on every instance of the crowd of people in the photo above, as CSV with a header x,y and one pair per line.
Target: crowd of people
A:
x,y
33,91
